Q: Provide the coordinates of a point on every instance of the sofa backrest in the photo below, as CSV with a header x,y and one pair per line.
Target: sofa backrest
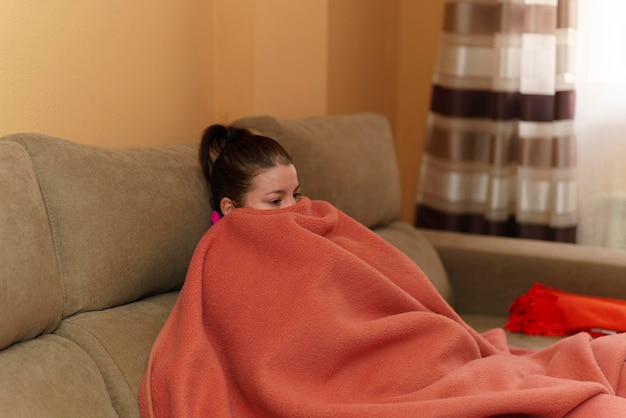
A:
x,y
348,160
27,257
115,224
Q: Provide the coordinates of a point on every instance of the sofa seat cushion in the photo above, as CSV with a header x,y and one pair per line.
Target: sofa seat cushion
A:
x,y
119,341
482,323
51,376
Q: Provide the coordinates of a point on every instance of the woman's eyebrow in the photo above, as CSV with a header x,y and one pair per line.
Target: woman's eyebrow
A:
x,y
281,191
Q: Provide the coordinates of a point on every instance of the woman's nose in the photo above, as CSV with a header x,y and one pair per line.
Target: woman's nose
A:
x,y
290,201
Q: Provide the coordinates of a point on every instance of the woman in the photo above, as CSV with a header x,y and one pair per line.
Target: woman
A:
x,y
247,170
301,311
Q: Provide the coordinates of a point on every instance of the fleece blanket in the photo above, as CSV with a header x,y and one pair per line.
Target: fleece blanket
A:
x,y
303,312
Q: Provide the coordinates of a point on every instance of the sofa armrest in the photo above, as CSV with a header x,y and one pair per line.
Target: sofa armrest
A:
x,y
487,273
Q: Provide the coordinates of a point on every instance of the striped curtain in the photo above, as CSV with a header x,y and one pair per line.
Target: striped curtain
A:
x,y
499,156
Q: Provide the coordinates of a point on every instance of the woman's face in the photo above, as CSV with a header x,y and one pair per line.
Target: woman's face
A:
x,y
274,188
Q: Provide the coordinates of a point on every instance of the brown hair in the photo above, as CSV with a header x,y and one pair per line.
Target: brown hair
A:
x,y
231,157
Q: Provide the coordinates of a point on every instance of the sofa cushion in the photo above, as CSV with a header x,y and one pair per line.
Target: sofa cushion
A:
x,y
347,160
411,242
51,376
30,287
119,341
482,323
125,222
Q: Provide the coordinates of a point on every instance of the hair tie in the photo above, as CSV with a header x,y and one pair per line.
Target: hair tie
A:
x,y
231,135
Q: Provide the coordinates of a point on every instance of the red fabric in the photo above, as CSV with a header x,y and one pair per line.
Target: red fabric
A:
x,y
303,312
547,311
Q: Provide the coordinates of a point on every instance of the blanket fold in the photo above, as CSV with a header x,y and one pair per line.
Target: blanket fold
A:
x,y
303,312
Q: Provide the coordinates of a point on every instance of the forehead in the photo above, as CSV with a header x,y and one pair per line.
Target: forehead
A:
x,y
280,177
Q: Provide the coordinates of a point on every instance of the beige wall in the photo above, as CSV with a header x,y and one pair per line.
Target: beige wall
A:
x,y
126,74
420,25
363,56
115,72
270,57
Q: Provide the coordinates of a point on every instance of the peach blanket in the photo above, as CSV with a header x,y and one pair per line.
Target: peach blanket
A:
x,y
303,312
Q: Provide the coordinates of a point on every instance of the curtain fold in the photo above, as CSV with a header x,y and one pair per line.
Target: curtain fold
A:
x,y
500,154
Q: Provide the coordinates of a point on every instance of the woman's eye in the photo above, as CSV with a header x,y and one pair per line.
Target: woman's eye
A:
x,y
275,202
296,196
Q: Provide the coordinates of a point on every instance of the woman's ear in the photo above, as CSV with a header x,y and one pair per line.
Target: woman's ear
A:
x,y
226,205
